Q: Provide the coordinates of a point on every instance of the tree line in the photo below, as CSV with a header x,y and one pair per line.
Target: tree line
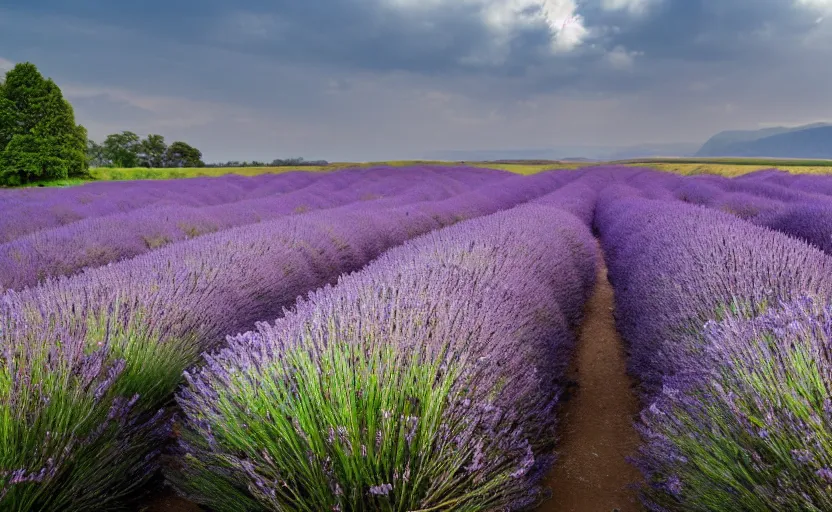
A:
x,y
126,149
277,162
40,141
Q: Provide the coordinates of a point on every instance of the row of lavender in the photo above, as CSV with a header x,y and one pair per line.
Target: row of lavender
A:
x,y
427,381
90,363
30,210
796,205
729,329
99,240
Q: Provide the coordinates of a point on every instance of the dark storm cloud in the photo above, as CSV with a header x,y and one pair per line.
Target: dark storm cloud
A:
x,y
450,39
354,76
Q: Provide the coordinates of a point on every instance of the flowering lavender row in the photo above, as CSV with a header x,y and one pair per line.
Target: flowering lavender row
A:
x,y
29,210
799,214
815,184
675,266
731,405
427,381
100,240
91,361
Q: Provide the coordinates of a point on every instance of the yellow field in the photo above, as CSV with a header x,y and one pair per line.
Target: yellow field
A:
x,y
730,170
141,173
723,168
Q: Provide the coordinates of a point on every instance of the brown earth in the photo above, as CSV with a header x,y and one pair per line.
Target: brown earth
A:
x,y
168,501
591,474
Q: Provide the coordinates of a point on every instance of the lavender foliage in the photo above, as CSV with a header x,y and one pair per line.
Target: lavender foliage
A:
x,y
766,201
475,314
29,210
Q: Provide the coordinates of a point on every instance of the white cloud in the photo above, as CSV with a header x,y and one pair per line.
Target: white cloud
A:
x,y
566,26
821,5
632,6
5,65
504,18
620,58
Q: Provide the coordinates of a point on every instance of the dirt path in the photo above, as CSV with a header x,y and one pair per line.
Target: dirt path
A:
x,y
168,501
591,474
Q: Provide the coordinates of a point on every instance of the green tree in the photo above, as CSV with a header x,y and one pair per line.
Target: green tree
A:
x,y
96,155
122,149
38,136
152,151
180,154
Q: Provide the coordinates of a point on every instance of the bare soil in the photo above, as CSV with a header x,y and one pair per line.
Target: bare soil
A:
x,y
591,474
167,501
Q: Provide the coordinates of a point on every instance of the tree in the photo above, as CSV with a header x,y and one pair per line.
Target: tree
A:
x,y
38,135
152,151
180,154
96,155
8,118
122,149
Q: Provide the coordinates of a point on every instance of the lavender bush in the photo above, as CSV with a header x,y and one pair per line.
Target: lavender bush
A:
x,y
728,408
100,240
751,428
815,184
810,221
92,361
427,381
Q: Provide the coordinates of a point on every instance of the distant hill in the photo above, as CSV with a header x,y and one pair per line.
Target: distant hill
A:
x,y
563,153
808,141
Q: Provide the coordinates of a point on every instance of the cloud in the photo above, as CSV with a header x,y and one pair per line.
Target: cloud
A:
x,y
350,79
620,58
822,5
632,6
5,65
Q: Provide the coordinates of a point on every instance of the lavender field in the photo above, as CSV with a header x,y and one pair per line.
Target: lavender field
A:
x,y
405,339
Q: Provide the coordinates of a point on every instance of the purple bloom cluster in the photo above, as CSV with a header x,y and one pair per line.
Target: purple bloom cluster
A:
x,y
97,241
810,221
488,300
758,404
109,345
815,184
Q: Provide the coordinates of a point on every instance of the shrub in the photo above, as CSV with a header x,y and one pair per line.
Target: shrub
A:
x,y
736,414
427,381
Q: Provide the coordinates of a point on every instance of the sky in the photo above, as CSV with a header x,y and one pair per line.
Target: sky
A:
x,y
384,79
